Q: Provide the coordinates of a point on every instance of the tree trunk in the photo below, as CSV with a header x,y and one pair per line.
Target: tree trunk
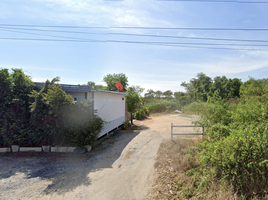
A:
x,y
131,118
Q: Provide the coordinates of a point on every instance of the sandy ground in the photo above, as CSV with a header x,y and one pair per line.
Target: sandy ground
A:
x,y
120,167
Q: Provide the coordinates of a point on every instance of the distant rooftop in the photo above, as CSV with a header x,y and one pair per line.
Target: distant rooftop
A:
x,y
67,88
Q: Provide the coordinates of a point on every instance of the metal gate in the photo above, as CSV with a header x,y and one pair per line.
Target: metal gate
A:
x,y
185,133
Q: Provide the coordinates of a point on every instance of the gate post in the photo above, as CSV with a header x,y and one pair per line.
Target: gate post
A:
x,y
171,131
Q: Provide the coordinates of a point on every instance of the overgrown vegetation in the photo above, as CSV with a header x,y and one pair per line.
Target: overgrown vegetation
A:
x,y
29,117
199,89
162,105
231,162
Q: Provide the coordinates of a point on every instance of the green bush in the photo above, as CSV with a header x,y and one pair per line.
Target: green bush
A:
x,y
141,113
79,125
235,148
162,105
14,106
241,158
126,125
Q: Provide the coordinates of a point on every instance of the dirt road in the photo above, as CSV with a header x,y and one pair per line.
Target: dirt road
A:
x,y
121,167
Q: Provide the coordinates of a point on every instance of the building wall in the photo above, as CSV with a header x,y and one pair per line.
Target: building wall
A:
x,y
111,108
80,95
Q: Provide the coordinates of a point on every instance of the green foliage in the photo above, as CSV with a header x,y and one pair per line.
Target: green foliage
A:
x,y
134,100
45,110
111,79
168,94
94,86
141,113
162,105
151,94
79,125
199,87
15,101
158,94
46,117
199,108
235,149
223,88
126,125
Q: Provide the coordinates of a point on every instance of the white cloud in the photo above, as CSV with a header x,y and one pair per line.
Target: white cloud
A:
x,y
98,12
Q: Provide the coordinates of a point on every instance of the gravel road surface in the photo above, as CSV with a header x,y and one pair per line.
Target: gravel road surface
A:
x,y
120,167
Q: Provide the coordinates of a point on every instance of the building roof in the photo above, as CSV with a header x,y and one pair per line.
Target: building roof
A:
x,y
112,92
67,88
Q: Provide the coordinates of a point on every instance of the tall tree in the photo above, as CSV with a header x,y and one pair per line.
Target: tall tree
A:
x,y
199,87
136,89
223,88
158,94
150,94
168,94
111,79
16,87
5,95
46,108
91,84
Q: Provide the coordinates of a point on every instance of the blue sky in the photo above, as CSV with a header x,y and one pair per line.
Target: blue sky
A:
x,y
97,42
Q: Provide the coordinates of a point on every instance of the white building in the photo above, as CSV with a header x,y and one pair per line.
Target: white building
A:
x,y
110,106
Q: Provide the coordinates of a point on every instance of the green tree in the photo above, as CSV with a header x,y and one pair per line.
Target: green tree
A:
x,y
168,94
5,99
16,116
150,94
254,89
136,89
158,94
178,95
91,84
133,100
181,97
111,79
198,88
223,88
5,95
45,111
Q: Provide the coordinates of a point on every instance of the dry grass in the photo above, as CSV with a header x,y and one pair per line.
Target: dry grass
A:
x,y
173,183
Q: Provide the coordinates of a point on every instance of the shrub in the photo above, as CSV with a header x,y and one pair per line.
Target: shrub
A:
x,y
46,110
162,105
240,158
236,150
126,125
140,114
14,106
79,125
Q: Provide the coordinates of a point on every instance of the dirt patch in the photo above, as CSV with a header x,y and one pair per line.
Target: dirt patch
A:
x,y
121,167
128,154
170,166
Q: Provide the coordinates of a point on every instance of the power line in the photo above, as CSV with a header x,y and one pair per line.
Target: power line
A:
x,y
189,45
137,27
165,43
74,38
143,35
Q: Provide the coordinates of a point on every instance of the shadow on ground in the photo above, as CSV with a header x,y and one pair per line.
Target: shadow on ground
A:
x,y
66,171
